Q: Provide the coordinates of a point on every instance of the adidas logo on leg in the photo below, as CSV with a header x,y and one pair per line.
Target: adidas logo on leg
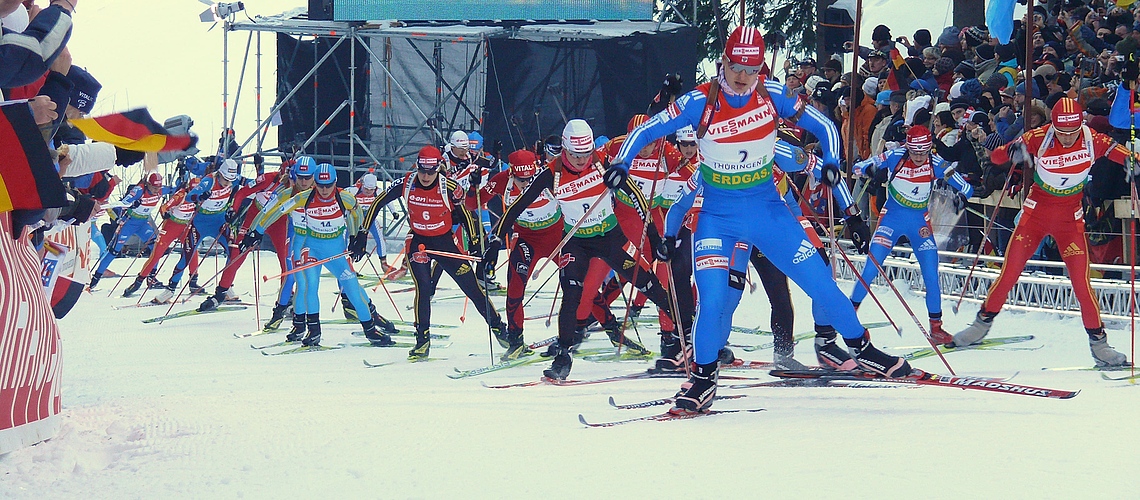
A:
x,y
805,252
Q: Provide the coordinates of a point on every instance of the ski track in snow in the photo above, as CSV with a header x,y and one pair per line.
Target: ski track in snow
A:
x,y
184,410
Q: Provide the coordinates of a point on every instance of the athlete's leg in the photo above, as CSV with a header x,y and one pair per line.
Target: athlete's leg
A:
x,y
890,228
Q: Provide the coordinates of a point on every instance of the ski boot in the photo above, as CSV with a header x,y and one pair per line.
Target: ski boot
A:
x,y
635,312
878,362
383,324
313,338
725,356
784,351
517,348
195,289
976,331
376,338
617,338
212,302
672,358
166,294
133,287
423,346
276,318
578,338
828,353
501,335
347,308
560,368
94,283
1102,353
937,334
300,323
152,282
701,390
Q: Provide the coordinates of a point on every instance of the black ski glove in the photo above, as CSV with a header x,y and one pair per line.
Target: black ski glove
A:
x,y
614,177
860,233
357,245
959,202
830,175
250,240
491,247
665,251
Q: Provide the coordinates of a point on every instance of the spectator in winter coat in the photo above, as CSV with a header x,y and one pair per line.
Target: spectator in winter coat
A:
x,y
27,56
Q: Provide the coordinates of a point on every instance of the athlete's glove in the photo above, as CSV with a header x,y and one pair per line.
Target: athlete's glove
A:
x,y
230,215
250,240
614,177
830,174
672,85
357,245
475,179
665,251
1017,153
860,233
959,202
653,237
492,247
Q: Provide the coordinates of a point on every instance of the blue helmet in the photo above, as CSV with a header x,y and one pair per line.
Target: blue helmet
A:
x,y
326,175
600,141
475,139
306,166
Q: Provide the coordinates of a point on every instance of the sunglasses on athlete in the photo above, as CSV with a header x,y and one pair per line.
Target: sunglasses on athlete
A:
x,y
740,68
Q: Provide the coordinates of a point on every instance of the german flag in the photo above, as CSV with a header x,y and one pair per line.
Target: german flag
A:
x,y
897,62
134,130
28,179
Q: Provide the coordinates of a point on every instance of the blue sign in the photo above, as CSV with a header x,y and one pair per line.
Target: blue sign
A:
x,y
480,10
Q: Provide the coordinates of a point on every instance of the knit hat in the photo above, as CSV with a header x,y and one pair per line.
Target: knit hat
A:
x,y
871,86
1006,52
975,36
1066,115
944,65
959,104
966,68
984,51
922,37
881,34
996,81
956,90
808,62
971,89
1098,107
523,163
949,36
884,98
898,97
833,64
814,81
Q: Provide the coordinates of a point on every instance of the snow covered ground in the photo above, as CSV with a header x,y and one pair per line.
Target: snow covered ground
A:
x,y
186,410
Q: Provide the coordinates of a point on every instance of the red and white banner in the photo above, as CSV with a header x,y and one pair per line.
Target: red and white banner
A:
x,y
29,347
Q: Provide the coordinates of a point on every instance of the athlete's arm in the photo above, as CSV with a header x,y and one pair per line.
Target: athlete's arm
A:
x,y
543,180
686,110
268,217
352,213
954,179
394,192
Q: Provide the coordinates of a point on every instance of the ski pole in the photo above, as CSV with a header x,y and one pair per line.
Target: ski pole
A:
x,y
451,255
307,266
557,288
858,275
637,254
381,284
685,349
985,236
183,289
906,306
256,289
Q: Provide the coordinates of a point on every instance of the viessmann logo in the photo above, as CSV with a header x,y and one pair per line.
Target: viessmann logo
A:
x,y
742,123
1066,160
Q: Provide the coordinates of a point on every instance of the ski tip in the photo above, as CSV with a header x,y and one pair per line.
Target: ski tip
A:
x,y
263,353
582,420
1071,395
612,403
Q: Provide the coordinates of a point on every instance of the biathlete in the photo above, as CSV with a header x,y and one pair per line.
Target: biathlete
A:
x,y
142,199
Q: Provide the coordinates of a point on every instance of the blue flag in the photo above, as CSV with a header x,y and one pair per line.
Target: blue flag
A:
x,y
999,19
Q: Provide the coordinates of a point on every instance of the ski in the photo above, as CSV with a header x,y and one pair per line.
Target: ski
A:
x,y
663,417
761,331
740,364
433,336
769,345
1120,379
140,305
346,321
301,349
975,383
1113,368
624,356
665,401
377,365
527,360
543,343
405,345
615,378
253,334
275,344
926,352
817,382
193,312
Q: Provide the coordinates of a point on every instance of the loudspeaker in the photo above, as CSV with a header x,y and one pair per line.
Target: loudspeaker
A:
x,y
320,10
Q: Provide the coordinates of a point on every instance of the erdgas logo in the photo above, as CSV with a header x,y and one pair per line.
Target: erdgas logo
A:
x,y
804,253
